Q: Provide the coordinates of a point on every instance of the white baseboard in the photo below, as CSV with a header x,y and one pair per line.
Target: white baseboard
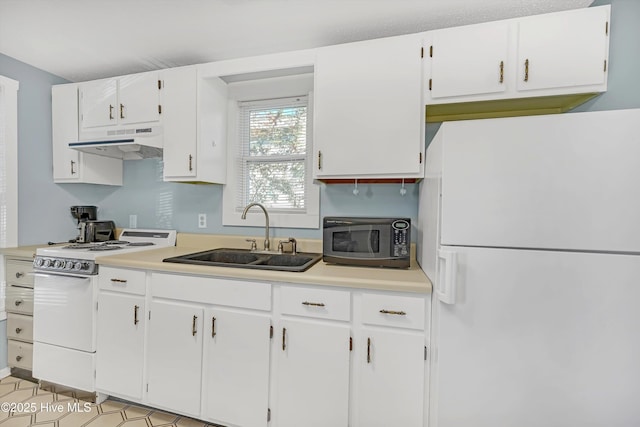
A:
x,y
5,372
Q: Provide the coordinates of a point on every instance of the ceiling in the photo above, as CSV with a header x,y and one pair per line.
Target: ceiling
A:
x,y
83,40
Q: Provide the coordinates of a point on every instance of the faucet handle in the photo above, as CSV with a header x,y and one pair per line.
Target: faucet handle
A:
x,y
254,247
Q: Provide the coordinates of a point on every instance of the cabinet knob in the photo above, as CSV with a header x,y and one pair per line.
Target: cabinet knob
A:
x,y
135,314
19,275
121,111
110,112
194,331
18,330
526,70
190,163
314,304
18,302
18,358
397,313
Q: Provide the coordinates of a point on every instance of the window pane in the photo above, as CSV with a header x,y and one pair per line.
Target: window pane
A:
x,y
278,131
277,185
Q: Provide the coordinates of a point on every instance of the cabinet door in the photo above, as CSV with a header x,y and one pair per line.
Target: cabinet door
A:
x,y
566,49
368,109
174,356
391,378
120,346
179,122
469,60
138,98
64,110
98,103
237,368
313,374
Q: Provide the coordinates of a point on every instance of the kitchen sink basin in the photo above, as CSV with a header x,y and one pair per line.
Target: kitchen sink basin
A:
x,y
244,258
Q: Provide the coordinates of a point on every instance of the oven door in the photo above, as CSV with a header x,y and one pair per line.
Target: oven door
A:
x,y
64,310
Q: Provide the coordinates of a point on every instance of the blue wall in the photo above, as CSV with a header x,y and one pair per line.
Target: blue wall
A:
x,y
44,206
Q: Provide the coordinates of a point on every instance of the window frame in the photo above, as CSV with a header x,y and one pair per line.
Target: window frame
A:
x,y
9,99
265,89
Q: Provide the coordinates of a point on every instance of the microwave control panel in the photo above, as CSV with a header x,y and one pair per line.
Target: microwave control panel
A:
x,y
401,238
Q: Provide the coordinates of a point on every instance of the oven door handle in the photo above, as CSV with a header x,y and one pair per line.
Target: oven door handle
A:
x,y
50,275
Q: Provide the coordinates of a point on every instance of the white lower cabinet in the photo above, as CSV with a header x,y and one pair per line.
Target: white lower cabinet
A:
x,y
174,356
391,382
312,374
239,353
120,346
236,367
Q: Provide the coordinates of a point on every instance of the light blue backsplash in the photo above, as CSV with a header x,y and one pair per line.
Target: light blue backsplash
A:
x,y
44,206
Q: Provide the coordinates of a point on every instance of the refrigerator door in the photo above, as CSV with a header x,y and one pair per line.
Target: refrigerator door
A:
x,y
563,181
538,338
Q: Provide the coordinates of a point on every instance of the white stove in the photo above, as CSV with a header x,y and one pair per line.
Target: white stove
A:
x,y
79,258
65,305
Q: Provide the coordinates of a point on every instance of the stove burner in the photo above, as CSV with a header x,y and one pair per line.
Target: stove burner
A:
x,y
79,246
141,244
116,242
111,247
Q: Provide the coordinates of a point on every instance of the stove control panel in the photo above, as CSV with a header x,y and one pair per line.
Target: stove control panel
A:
x,y
65,265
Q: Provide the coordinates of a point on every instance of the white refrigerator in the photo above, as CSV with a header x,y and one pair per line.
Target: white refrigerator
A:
x,y
530,231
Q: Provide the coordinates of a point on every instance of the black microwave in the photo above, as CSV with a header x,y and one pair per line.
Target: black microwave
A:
x,y
373,242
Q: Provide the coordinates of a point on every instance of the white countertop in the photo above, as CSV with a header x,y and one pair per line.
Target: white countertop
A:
x,y
412,279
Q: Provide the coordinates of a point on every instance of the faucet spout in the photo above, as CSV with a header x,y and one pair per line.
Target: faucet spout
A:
x,y
267,244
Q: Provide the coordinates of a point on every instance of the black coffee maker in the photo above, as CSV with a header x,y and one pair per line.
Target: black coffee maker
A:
x,y
83,214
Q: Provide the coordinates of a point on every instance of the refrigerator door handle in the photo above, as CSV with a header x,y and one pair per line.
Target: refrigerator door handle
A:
x,y
447,268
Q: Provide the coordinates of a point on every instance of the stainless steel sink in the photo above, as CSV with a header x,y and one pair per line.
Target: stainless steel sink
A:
x,y
244,258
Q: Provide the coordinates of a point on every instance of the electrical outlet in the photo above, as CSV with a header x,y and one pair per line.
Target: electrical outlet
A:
x,y
133,221
202,220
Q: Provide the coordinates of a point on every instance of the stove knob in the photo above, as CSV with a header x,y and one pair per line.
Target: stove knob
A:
x,y
58,264
85,266
77,265
47,263
68,265
39,262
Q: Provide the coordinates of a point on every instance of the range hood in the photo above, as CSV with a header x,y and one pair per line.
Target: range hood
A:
x,y
132,144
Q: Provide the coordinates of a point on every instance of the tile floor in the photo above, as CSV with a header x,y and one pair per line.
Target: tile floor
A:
x,y
46,409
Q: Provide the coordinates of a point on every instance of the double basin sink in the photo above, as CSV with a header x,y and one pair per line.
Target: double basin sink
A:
x,y
244,258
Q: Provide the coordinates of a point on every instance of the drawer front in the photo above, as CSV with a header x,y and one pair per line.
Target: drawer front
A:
x,y
19,327
212,290
122,280
391,310
320,303
19,272
20,354
19,300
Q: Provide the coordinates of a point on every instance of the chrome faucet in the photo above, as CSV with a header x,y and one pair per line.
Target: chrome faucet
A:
x,y
267,244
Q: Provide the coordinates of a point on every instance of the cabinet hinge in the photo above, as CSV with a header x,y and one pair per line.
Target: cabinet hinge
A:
x,y
159,109
147,387
350,343
159,84
268,414
421,52
431,51
95,374
605,65
606,28
271,332
96,305
420,157
430,83
425,352
149,314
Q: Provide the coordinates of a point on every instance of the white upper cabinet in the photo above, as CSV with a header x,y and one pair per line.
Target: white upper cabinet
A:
x,y
369,114
126,100
71,166
563,50
478,65
561,56
194,118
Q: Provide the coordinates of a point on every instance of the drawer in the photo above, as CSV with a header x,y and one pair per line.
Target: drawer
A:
x,y
20,355
122,280
19,300
19,272
316,302
212,290
19,327
391,310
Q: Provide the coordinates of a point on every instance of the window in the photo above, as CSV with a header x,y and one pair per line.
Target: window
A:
x,y
8,162
273,149
269,161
